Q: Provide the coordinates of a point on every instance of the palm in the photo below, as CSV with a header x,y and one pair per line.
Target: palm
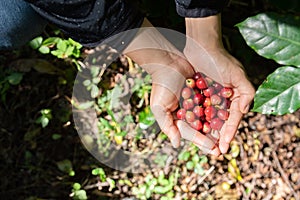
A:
x,y
225,69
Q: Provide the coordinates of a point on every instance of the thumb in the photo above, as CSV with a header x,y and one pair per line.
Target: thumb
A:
x,y
165,121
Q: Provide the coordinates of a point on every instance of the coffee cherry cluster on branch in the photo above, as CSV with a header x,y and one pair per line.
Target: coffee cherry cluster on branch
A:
x,y
204,103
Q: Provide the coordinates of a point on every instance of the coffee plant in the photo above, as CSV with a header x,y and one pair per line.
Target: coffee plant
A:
x,y
276,37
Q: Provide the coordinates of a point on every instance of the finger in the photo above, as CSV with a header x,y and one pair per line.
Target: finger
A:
x,y
204,143
166,122
230,127
215,151
245,90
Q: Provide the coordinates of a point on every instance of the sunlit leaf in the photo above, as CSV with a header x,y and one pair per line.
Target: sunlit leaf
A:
x,y
280,93
273,36
36,42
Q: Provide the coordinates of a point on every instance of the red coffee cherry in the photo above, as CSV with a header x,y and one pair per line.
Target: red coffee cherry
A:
x,y
186,93
226,92
189,116
216,124
197,125
190,83
181,113
201,83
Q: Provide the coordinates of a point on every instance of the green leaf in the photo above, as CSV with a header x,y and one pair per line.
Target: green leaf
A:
x,y
190,165
196,158
95,70
87,83
44,121
99,172
58,53
44,50
51,41
56,136
94,91
203,159
64,165
74,43
76,186
62,45
184,155
80,195
15,78
199,169
146,118
161,189
273,36
69,51
280,93
36,42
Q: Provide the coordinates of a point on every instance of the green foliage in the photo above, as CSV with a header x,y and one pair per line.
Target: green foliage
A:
x,y
234,170
102,176
107,104
276,37
92,85
78,193
146,118
157,185
45,117
192,160
66,166
273,36
160,159
7,80
99,172
58,47
14,78
281,91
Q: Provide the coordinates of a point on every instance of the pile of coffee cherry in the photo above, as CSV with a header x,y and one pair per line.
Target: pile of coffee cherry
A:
x,y
204,103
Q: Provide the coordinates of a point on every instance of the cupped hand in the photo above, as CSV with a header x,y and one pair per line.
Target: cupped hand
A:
x,y
169,69
205,51
219,65
168,76
166,87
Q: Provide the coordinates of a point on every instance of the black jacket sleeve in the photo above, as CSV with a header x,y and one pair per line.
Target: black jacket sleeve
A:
x,y
199,8
89,21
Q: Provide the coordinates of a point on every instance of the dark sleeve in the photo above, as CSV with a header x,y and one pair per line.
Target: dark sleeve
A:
x,y
90,21
199,8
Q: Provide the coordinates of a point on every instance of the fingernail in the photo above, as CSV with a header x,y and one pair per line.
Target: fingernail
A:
x,y
224,148
203,149
175,142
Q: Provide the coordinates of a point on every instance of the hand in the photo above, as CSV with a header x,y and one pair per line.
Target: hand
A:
x,y
168,69
205,51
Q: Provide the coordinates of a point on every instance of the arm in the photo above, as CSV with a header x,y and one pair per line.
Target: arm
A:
x,y
204,50
168,68
90,21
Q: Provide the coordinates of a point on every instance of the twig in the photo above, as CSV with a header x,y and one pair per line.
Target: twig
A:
x,y
253,182
211,169
96,185
283,174
268,197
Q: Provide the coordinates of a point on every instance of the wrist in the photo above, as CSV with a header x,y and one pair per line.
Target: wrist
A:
x,y
206,31
149,47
